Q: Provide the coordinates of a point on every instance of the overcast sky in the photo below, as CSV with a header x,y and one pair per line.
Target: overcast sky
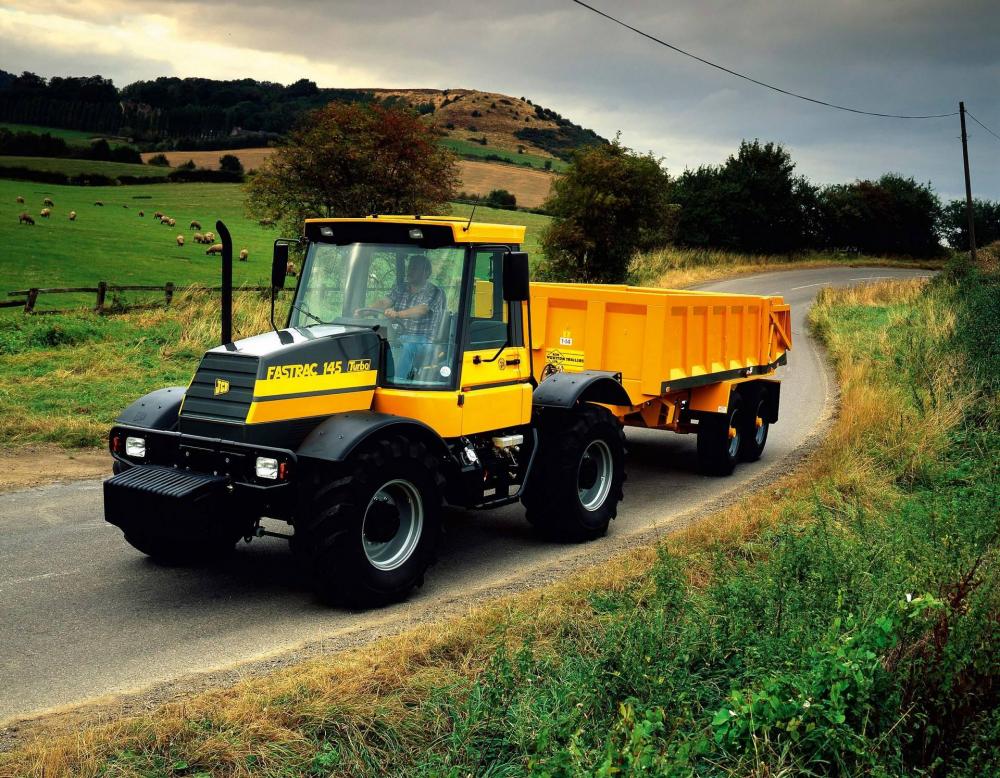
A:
x,y
892,56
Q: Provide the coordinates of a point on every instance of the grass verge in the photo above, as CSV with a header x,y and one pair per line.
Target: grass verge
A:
x,y
677,268
843,621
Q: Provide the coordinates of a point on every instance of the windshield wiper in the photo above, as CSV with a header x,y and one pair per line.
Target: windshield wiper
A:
x,y
312,316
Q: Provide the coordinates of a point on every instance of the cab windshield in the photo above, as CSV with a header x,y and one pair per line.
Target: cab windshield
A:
x,y
412,291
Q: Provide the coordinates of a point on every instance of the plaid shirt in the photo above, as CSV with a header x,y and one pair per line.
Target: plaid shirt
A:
x,y
429,295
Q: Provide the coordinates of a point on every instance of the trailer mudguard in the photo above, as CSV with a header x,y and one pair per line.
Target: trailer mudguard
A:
x,y
770,391
564,390
336,437
155,411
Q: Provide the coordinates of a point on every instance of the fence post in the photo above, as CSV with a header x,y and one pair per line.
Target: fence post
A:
x,y
29,303
168,291
102,290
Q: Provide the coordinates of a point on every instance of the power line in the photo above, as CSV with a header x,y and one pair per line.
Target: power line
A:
x,y
754,80
969,114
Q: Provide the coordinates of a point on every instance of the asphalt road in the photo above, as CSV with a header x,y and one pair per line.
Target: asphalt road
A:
x,y
84,615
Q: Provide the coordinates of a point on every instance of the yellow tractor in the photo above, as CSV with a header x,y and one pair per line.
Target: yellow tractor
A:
x,y
418,367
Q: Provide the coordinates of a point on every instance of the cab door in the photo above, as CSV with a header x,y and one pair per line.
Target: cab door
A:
x,y
495,385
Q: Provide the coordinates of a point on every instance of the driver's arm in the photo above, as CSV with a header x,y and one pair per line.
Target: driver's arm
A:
x,y
416,312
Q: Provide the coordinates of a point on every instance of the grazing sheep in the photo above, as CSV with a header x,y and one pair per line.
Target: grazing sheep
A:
x,y
157,214
25,218
20,199
290,269
48,201
180,240
45,213
195,226
72,216
216,249
99,203
141,214
210,237
172,222
124,205
266,222
164,220
198,237
244,255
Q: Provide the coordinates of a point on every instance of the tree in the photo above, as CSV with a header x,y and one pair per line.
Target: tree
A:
x,y
751,203
893,215
160,160
231,164
501,198
610,204
353,160
955,223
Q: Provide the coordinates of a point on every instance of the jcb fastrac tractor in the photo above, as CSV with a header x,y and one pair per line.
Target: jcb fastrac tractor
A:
x,y
418,366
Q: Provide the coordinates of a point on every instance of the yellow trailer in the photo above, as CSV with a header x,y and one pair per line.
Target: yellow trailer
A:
x,y
418,366
683,357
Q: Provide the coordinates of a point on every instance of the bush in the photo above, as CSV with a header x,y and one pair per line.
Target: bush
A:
x,y
159,160
501,198
231,164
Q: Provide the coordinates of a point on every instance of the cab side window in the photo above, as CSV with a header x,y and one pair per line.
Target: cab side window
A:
x,y
487,313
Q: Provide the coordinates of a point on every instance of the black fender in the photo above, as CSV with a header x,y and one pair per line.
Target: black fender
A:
x,y
564,390
769,390
336,437
155,411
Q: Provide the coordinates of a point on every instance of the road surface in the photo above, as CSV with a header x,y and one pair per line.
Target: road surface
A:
x,y
84,615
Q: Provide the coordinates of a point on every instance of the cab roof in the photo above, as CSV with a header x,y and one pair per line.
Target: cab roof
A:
x,y
462,230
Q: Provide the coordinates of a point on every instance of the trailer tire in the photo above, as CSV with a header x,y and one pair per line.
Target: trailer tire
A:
x,y
369,531
754,437
720,438
576,484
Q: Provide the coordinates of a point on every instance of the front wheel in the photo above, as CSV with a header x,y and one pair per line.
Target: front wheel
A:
x,y
576,484
369,531
720,437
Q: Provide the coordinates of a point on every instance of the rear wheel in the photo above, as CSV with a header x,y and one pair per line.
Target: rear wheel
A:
x,y
720,437
369,531
753,436
577,480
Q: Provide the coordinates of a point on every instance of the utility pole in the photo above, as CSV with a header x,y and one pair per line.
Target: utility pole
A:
x,y
968,185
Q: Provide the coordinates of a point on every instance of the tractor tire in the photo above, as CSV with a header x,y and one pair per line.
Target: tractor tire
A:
x,y
754,435
369,531
576,483
720,438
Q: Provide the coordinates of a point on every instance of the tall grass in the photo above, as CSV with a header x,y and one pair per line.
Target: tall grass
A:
x,y
842,621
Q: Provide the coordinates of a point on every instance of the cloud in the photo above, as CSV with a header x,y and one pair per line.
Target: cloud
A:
x,y
896,56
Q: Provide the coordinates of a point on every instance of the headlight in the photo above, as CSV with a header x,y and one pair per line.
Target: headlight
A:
x,y
135,447
267,468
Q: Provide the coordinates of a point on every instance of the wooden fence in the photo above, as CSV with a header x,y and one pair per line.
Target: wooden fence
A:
x,y
30,296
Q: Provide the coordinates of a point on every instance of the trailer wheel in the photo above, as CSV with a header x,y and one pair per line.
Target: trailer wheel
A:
x,y
369,531
576,484
753,436
720,439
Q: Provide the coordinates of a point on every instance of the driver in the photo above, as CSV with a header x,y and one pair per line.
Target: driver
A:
x,y
418,306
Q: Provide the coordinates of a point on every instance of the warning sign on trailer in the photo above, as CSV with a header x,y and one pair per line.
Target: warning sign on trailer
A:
x,y
565,359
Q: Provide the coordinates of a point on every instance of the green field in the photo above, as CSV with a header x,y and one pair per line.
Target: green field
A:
x,y
76,167
466,148
72,137
114,244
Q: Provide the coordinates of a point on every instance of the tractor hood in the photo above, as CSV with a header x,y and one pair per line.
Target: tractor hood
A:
x,y
296,376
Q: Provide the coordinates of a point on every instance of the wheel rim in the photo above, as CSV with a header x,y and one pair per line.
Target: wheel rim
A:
x,y
594,475
734,440
393,523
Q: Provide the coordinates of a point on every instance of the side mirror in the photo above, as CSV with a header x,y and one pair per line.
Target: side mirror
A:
x,y
279,266
515,276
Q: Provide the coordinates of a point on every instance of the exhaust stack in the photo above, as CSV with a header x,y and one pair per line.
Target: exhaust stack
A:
x,y
227,282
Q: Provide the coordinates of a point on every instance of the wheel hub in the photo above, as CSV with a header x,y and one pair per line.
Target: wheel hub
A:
x,y
382,522
393,524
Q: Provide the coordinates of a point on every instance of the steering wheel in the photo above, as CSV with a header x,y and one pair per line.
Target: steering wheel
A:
x,y
370,313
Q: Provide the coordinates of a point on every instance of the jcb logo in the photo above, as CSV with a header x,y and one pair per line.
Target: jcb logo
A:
x,y
221,386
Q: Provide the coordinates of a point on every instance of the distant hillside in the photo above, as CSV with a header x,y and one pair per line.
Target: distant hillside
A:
x,y
205,114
